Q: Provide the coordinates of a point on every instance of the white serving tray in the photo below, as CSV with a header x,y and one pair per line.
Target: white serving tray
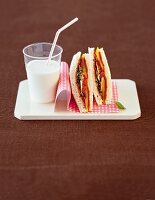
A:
x,y
27,110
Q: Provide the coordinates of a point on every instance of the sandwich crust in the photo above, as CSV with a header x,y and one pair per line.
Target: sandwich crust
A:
x,y
108,77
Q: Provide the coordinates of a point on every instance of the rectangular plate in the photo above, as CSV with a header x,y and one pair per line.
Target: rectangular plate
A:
x,y
27,110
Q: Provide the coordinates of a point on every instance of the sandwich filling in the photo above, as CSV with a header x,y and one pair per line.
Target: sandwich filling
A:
x,y
101,79
82,82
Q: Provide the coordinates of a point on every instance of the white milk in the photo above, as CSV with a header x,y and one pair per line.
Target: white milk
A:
x,y
43,80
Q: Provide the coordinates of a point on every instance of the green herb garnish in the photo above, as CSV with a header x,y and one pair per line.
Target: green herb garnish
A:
x,y
98,85
82,94
79,76
120,105
98,81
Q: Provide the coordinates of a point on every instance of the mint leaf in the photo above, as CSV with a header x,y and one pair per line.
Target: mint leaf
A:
x,y
120,105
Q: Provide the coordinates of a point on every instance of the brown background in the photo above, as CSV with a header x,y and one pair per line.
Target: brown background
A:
x,y
79,160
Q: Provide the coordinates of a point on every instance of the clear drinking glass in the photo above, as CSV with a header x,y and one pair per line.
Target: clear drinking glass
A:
x,y
42,77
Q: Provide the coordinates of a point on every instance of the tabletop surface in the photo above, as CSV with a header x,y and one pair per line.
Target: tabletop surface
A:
x,y
79,159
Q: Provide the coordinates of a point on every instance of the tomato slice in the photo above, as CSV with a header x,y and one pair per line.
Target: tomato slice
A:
x,y
101,74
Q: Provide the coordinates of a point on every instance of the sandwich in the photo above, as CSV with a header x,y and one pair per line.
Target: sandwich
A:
x,y
102,85
81,82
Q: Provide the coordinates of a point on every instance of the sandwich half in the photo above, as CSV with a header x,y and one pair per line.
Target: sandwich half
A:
x,y
81,82
102,85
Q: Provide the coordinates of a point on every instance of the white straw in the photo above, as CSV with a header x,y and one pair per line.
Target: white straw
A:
x,y
57,35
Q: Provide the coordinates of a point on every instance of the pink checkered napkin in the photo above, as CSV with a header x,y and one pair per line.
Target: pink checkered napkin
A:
x,y
64,83
64,86
109,108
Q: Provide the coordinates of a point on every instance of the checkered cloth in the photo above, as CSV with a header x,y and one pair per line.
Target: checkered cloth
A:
x,y
64,85
109,108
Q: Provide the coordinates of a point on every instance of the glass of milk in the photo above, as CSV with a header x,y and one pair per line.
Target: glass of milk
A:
x,y
42,77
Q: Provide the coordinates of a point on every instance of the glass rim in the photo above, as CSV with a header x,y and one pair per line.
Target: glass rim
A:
x,y
61,50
